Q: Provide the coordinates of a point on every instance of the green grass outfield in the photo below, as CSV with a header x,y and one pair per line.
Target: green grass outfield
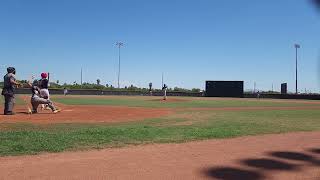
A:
x,y
183,126
183,102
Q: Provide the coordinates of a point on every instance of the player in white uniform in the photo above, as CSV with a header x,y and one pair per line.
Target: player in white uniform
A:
x,y
164,89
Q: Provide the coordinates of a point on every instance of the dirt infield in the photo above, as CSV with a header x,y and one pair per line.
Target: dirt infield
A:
x,y
87,114
113,114
285,157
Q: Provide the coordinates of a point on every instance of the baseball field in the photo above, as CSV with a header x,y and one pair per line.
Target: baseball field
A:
x,y
112,124
96,122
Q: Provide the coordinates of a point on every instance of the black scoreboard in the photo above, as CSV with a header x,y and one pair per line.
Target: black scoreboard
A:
x,y
284,88
224,88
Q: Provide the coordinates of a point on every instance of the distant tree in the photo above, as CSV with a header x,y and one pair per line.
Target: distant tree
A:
x,y
54,85
271,92
24,83
97,85
180,89
196,90
133,88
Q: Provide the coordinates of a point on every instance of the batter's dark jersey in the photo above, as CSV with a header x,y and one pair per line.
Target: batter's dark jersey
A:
x,y
44,84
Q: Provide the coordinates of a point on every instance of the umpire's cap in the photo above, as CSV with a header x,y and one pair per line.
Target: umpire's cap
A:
x,y
11,70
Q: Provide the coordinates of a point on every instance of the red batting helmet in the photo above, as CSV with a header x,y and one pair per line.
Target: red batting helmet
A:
x,y
44,75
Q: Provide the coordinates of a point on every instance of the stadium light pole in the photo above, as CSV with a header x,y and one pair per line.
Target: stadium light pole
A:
x,y
119,44
297,46
81,78
162,80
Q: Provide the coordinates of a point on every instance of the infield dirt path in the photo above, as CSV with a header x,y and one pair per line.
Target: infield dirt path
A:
x,y
86,114
285,157
115,114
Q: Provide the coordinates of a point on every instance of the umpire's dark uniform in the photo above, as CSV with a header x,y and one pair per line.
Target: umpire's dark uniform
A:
x,y
9,91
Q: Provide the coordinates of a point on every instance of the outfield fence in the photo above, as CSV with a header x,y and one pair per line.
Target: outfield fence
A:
x,y
108,92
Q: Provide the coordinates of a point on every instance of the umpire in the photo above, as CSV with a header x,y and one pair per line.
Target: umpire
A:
x,y
9,90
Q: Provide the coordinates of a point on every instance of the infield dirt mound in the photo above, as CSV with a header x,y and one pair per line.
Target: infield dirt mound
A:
x,y
87,114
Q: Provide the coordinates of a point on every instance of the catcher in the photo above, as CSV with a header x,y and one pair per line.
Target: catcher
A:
x,y
36,99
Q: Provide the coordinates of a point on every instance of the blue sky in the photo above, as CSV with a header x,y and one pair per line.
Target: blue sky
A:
x,y
190,41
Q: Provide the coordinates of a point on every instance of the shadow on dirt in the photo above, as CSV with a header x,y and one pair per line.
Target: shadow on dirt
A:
x,y
296,157
260,168
228,173
292,156
22,112
268,164
316,151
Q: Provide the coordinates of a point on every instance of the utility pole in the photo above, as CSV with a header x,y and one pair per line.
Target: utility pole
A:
x,y
297,46
81,77
119,44
162,81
